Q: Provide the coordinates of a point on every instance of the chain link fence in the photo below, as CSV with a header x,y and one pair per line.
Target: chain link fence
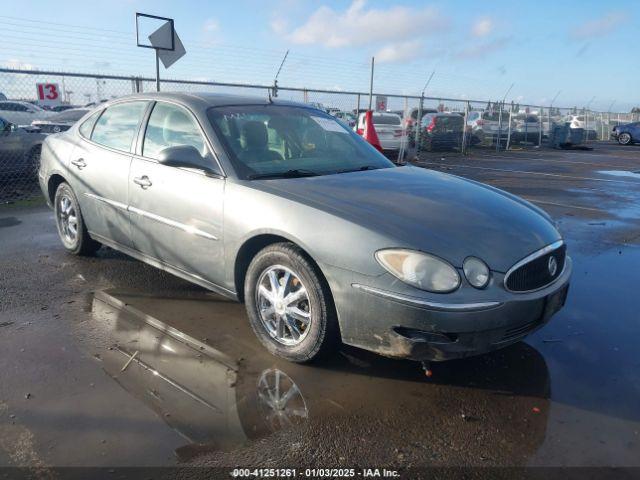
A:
x,y
410,128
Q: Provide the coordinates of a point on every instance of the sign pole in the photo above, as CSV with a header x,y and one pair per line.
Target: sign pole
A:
x,y
157,71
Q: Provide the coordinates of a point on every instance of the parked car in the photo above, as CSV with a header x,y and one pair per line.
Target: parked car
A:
x,y
21,113
487,126
60,122
347,118
62,108
411,117
627,133
282,207
441,131
19,151
525,128
393,139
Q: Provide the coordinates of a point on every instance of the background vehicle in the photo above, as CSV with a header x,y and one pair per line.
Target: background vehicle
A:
x,y
19,150
347,118
62,108
525,128
61,121
411,117
21,113
627,133
390,133
441,130
487,125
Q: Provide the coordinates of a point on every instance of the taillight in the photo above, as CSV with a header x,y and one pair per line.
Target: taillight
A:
x,y
480,122
432,125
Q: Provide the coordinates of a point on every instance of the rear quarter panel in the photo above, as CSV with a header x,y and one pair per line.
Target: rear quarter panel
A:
x,y
54,159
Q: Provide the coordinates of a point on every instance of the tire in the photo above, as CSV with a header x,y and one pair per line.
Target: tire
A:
x,y
624,138
281,333
70,224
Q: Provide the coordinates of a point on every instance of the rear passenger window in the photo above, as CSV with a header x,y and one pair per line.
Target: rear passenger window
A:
x,y
87,125
118,125
171,126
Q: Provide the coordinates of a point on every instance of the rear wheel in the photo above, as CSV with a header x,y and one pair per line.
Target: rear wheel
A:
x,y
624,138
289,304
71,228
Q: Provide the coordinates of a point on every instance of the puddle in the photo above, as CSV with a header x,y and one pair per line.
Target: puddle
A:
x,y
198,366
621,173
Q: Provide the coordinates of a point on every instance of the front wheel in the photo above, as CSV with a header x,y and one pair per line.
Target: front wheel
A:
x,y
289,304
71,228
624,138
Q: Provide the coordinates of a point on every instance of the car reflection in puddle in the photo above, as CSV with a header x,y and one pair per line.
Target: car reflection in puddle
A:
x,y
195,362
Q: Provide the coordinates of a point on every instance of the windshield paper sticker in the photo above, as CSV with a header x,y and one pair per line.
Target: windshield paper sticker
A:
x,y
329,125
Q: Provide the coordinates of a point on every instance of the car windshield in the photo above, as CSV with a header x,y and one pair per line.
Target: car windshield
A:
x,y
68,115
288,141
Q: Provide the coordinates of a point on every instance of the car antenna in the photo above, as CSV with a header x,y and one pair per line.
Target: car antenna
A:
x,y
275,80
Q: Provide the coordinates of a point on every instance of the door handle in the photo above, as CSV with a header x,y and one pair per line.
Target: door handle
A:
x,y
80,163
143,181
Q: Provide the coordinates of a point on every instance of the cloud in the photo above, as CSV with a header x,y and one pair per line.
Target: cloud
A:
x,y
359,25
598,28
279,25
483,49
18,64
211,31
399,52
211,25
483,27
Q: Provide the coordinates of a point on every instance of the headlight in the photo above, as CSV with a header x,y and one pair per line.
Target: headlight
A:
x,y
420,270
476,271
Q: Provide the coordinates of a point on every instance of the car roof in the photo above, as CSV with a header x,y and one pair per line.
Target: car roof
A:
x,y
206,99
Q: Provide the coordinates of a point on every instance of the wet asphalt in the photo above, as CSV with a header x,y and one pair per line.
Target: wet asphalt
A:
x,y
200,390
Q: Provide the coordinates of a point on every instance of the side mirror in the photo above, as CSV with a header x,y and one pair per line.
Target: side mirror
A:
x,y
186,156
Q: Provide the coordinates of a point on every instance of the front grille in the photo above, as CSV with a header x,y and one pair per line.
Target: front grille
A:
x,y
535,274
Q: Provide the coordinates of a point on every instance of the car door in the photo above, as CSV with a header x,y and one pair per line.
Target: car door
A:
x,y
99,168
176,213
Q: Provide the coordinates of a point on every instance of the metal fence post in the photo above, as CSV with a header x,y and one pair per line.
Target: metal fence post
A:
x,y
499,128
540,126
509,128
464,129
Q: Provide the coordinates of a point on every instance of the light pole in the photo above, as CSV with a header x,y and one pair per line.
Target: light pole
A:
x,y
500,117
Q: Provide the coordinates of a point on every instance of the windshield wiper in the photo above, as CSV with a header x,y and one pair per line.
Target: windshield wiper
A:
x,y
294,173
359,169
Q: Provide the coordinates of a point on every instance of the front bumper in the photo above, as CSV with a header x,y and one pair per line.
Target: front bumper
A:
x,y
419,328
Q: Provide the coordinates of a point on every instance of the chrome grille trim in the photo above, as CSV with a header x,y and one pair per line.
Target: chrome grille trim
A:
x,y
529,258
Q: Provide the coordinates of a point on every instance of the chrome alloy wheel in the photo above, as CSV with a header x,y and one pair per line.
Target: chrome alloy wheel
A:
x,y
283,305
67,219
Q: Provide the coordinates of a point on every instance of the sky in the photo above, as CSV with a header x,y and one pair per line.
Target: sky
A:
x,y
581,51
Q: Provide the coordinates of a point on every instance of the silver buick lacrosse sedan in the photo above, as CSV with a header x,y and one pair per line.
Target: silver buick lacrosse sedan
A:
x,y
280,206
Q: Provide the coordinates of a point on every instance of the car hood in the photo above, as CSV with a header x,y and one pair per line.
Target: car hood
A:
x,y
430,211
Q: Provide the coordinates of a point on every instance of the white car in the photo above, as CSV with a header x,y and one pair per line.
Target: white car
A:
x,y
22,113
486,126
388,126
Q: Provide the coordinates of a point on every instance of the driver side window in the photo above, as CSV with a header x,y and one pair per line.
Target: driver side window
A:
x,y
171,126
